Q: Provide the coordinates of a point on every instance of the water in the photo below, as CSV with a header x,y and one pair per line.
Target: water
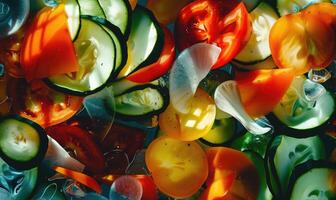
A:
x,y
13,14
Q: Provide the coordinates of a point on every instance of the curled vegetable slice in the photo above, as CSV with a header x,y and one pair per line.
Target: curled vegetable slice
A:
x,y
80,177
228,100
192,65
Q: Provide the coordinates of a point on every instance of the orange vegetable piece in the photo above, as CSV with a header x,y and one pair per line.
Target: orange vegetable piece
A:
x,y
47,48
80,177
261,90
232,170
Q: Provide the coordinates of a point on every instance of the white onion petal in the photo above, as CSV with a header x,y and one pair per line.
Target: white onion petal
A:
x,y
227,99
191,66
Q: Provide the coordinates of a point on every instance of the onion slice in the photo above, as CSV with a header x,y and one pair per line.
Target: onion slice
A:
x,y
228,100
191,66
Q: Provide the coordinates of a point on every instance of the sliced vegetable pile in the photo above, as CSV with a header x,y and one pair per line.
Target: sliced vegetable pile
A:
x,y
158,99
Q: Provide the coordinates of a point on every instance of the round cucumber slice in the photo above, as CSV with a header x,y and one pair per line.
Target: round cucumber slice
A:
x,y
296,116
313,180
285,153
23,143
95,51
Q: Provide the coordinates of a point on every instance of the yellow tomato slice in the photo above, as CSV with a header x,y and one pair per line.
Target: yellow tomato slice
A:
x,y
178,168
192,125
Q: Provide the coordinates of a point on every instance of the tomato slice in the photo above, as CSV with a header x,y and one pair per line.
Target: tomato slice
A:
x,y
80,144
225,23
191,125
302,42
40,104
226,164
326,12
47,48
261,90
178,168
166,11
161,66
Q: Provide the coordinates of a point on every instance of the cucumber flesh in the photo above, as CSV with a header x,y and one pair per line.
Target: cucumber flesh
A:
x,y
96,54
23,143
73,12
289,152
297,114
317,183
141,101
118,13
91,7
145,41
257,49
18,140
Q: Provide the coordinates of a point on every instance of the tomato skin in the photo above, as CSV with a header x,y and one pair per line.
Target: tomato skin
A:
x,y
178,168
261,90
225,23
190,126
226,164
81,143
326,12
161,66
302,42
40,104
47,48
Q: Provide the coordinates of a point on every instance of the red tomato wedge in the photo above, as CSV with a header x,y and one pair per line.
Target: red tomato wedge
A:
x,y
302,42
80,144
41,104
261,90
225,23
80,177
47,47
226,164
161,66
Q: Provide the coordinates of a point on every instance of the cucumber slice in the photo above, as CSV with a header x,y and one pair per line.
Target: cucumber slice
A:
x,y
91,7
293,116
23,143
222,131
285,153
142,101
289,6
257,49
118,39
118,12
73,12
96,53
314,180
145,41
268,63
